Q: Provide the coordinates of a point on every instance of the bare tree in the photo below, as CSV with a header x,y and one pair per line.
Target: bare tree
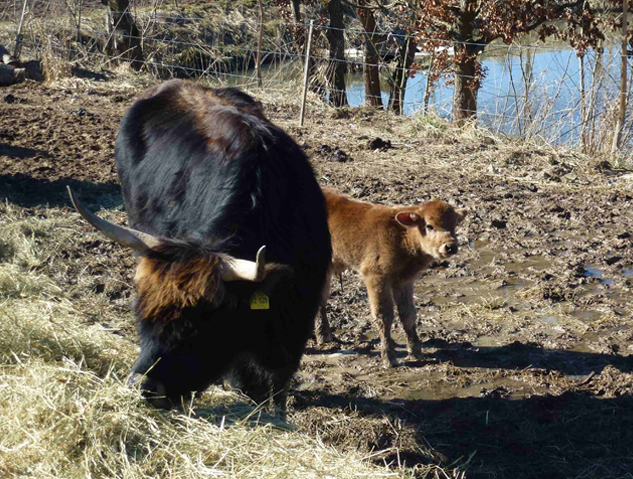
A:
x,y
338,67
471,25
125,25
370,65
260,42
617,137
404,56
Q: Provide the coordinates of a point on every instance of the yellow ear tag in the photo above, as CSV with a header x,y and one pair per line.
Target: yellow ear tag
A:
x,y
260,301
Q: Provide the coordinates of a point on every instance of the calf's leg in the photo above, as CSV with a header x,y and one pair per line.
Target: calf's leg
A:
x,y
403,295
323,331
381,303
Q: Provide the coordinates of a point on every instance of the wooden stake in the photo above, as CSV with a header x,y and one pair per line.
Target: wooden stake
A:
x,y
260,42
18,38
305,75
583,106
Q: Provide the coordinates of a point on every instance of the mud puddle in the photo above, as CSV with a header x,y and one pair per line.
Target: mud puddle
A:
x,y
486,302
413,380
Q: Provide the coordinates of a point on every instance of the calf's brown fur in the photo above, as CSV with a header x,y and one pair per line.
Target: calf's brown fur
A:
x,y
389,247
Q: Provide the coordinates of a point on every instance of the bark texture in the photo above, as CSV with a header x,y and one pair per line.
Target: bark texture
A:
x,y
370,68
125,25
337,67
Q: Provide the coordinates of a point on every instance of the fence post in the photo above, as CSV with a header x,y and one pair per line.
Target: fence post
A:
x,y
305,75
617,137
80,4
18,37
260,42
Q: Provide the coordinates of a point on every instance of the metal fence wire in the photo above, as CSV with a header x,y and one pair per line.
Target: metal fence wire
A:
x,y
534,91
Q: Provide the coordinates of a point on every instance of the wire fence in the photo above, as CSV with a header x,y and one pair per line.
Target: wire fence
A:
x,y
542,92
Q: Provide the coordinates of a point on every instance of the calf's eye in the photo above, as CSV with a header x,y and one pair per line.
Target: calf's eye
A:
x,y
429,227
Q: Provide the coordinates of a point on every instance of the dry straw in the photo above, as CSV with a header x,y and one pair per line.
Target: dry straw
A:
x,y
66,411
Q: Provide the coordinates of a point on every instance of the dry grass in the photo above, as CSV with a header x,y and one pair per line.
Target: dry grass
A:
x,y
61,420
65,410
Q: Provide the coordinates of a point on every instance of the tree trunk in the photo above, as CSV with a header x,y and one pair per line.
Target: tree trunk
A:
x,y
466,88
337,67
528,78
428,86
583,103
406,54
371,75
124,23
467,80
596,85
617,138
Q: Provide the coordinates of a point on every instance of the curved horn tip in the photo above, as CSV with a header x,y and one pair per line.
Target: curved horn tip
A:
x,y
137,240
260,264
79,206
73,198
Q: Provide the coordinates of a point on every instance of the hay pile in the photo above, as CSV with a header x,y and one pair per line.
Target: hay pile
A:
x,y
65,410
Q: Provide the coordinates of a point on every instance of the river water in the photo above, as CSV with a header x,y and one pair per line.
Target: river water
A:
x,y
527,91
533,92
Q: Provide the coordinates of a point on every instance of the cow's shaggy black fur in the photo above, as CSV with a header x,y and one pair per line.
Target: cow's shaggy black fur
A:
x,y
205,167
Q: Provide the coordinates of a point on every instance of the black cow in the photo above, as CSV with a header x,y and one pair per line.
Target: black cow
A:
x,y
207,179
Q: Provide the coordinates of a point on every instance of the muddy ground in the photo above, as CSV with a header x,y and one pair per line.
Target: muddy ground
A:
x,y
527,332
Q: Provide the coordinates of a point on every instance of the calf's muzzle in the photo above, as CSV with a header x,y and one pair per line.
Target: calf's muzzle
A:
x,y
449,249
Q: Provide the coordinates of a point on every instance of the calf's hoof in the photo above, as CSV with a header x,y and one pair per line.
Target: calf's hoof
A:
x,y
323,338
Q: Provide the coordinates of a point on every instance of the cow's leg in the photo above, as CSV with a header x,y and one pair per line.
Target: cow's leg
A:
x,y
251,379
281,386
267,379
381,303
403,295
323,331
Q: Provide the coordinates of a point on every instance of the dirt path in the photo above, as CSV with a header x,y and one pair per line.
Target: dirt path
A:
x,y
528,369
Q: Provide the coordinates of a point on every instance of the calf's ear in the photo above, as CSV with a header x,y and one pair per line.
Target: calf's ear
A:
x,y
409,219
461,214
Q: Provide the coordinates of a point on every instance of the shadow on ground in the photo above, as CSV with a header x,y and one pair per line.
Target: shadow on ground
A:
x,y
516,355
26,191
21,153
583,428
571,435
520,356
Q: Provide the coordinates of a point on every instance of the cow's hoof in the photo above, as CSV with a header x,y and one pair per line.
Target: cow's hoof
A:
x,y
389,361
415,352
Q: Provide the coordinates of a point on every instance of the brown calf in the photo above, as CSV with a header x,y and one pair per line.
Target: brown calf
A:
x,y
389,247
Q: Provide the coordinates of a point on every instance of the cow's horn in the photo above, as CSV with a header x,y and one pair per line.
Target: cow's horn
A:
x,y
136,240
241,269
